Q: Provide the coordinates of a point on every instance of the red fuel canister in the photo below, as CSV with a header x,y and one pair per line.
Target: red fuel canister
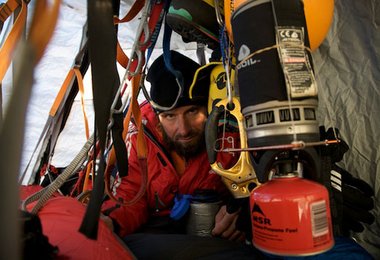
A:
x,y
291,217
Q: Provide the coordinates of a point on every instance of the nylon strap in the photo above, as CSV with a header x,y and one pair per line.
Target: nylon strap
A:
x,y
122,58
102,51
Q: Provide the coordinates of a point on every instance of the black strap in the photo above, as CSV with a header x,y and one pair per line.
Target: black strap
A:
x,y
119,144
117,128
102,52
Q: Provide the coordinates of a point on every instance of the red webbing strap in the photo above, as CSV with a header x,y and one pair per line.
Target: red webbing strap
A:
x,y
6,51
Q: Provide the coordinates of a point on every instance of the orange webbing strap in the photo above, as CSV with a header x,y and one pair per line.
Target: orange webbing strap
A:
x,y
63,91
121,57
135,9
43,24
141,145
144,40
6,51
81,90
8,8
87,176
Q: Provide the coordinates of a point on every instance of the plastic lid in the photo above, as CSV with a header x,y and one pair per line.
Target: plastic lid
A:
x,y
181,206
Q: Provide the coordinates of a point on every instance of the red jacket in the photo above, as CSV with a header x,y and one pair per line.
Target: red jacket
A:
x,y
163,181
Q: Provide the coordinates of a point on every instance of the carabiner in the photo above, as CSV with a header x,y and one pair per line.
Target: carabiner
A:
x,y
240,178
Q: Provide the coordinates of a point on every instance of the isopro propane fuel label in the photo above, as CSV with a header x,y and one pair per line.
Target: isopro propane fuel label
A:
x,y
271,225
291,226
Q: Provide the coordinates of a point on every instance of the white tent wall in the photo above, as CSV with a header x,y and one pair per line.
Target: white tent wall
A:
x,y
347,71
51,72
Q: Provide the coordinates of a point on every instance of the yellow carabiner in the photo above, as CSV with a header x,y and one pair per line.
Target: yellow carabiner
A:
x,y
240,178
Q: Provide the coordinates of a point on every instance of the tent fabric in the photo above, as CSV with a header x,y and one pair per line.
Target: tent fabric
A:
x,y
347,68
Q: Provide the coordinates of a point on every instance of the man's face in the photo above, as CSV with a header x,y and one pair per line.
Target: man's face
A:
x,y
183,129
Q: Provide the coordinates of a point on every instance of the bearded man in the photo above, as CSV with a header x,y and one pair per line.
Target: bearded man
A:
x,y
178,168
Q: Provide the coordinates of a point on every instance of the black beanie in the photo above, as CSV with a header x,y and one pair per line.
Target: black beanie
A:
x,y
164,87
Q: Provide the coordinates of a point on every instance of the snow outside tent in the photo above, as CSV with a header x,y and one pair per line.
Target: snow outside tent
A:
x,y
347,69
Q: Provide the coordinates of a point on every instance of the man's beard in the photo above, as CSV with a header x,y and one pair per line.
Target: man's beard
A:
x,y
189,149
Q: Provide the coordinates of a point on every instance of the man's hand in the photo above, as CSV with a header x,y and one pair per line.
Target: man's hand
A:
x,y
225,225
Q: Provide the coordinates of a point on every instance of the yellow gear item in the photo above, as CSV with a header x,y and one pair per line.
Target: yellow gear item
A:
x,y
204,71
218,82
318,14
218,85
